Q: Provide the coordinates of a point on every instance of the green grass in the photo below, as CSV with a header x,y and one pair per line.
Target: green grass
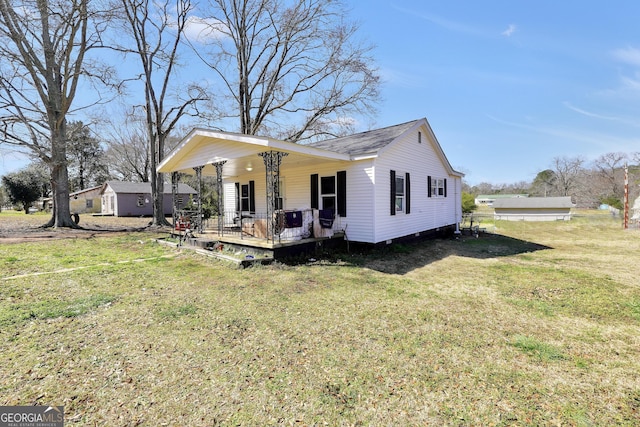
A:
x,y
541,351
537,325
20,313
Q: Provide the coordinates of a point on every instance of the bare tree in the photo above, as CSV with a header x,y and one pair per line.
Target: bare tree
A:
x,y
291,69
42,50
567,171
128,153
156,29
610,169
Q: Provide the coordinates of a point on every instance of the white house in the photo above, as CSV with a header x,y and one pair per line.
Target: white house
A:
x,y
376,186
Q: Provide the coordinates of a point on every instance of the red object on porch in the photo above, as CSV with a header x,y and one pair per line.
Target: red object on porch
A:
x,y
183,224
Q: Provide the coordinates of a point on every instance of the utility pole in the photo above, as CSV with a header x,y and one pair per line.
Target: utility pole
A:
x,y
626,197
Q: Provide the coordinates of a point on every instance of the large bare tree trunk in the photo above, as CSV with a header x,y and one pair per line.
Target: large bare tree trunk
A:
x,y
157,43
61,215
43,44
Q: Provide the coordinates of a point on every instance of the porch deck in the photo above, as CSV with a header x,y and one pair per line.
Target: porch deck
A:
x,y
248,235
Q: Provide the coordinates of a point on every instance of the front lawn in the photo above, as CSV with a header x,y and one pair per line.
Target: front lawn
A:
x,y
538,324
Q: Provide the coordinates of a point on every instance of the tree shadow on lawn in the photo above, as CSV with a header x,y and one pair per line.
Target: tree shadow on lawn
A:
x,y
401,258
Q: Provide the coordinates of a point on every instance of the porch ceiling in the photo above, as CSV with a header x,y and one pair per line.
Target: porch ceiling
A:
x,y
240,152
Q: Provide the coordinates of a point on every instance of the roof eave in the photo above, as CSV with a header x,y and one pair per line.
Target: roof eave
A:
x,y
170,162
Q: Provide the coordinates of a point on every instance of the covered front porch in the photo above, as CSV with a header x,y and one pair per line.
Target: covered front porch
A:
x,y
246,245
252,212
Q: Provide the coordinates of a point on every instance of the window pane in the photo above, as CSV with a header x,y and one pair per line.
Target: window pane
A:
x,y
328,185
399,186
329,202
399,203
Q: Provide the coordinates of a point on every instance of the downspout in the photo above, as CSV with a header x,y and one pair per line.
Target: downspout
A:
x,y
458,206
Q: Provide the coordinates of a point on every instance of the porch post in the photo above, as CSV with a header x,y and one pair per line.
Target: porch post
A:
x,y
175,179
198,170
219,199
272,160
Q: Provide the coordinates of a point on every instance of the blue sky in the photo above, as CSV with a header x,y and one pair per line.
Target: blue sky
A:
x,y
506,85
509,85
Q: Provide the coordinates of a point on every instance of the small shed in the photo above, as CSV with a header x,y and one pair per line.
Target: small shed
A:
x,y
86,201
533,209
134,198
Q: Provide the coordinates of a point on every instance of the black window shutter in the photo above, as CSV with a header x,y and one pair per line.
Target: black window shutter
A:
x,y
252,197
342,193
429,186
393,192
314,192
237,196
445,187
407,193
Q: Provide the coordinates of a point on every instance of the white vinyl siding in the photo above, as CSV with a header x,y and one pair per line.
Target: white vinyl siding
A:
x,y
420,161
368,190
359,222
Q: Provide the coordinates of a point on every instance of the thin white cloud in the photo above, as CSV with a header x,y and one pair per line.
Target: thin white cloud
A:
x,y
402,78
590,114
630,83
595,142
509,31
629,55
200,30
442,22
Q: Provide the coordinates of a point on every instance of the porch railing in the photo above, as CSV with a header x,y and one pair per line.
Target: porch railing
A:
x,y
287,225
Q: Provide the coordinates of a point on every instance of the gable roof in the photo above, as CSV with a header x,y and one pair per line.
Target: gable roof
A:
x,y
122,187
86,190
373,143
533,203
365,143
202,147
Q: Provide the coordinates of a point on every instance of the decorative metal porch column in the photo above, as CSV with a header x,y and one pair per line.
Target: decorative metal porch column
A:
x,y
175,179
219,198
198,222
272,160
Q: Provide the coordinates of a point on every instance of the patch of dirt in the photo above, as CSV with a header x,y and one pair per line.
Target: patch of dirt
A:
x,y
16,228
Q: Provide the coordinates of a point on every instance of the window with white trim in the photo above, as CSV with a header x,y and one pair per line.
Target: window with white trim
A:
x,y
244,197
400,193
280,194
438,187
328,192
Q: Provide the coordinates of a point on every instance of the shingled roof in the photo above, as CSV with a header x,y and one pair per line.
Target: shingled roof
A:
x,y
122,187
364,143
